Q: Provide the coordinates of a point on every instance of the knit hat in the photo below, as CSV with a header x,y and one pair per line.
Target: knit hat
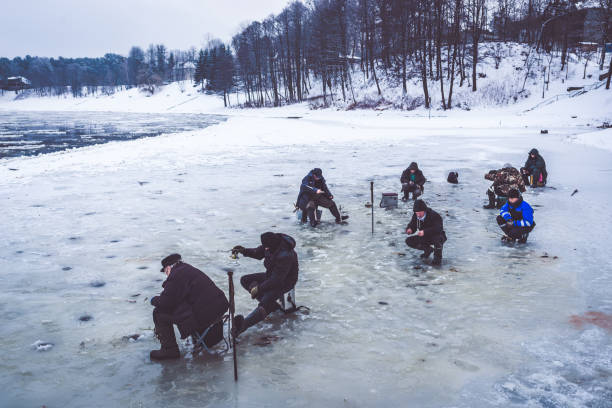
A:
x,y
514,193
419,205
413,166
317,172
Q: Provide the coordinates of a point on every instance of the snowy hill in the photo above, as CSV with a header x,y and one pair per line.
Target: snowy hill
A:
x,y
507,93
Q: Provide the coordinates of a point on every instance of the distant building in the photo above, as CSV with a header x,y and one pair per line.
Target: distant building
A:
x,y
16,83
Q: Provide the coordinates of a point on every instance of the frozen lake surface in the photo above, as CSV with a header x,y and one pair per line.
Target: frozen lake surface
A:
x,y
84,231
32,133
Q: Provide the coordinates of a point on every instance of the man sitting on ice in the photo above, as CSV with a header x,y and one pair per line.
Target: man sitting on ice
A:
x,y
413,182
503,180
314,193
281,263
429,228
516,218
535,168
190,300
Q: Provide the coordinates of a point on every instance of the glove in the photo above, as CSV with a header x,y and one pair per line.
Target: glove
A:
x,y
254,291
154,301
238,249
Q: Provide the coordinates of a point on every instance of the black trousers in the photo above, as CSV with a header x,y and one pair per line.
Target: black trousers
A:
x,y
536,173
492,194
267,299
514,231
164,328
425,243
319,200
413,188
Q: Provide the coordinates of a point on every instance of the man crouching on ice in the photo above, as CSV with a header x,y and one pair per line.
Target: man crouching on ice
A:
x,y
281,262
190,300
516,218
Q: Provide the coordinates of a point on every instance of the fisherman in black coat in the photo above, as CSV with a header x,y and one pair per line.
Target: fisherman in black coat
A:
x,y
190,300
430,236
313,193
535,166
281,263
413,182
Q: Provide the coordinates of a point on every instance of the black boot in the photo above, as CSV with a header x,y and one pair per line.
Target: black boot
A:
x,y
169,349
342,219
437,259
312,216
241,323
426,252
491,204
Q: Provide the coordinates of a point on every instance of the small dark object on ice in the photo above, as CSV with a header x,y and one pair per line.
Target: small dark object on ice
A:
x,y
66,268
383,303
418,267
453,177
400,254
135,295
453,269
143,267
279,175
575,191
544,131
368,205
133,337
142,183
85,318
97,284
12,169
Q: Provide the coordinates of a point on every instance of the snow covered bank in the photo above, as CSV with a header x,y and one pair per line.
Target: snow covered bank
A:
x,y
176,97
601,139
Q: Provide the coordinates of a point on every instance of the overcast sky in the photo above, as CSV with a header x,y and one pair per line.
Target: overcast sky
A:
x,y
91,28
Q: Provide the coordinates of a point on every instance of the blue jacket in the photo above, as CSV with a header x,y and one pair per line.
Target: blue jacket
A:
x,y
520,215
309,188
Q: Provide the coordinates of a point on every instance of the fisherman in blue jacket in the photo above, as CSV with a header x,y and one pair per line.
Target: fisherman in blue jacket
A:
x,y
516,218
314,193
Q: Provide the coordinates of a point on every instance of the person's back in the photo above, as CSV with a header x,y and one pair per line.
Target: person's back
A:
x,y
190,299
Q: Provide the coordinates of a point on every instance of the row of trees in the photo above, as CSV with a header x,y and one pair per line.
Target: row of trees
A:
x,y
215,69
328,42
434,41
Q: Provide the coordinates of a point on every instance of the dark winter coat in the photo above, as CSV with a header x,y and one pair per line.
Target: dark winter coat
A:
x,y
192,298
535,163
281,265
308,190
432,225
418,178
